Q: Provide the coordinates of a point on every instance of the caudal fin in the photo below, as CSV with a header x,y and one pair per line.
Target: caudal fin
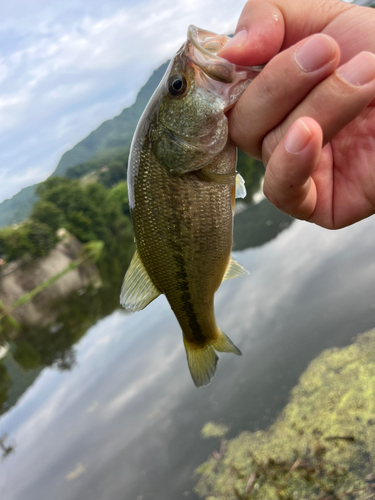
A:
x,y
202,361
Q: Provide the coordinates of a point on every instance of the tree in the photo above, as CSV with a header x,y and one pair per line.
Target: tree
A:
x,y
41,238
26,356
5,382
112,174
48,213
32,237
108,167
119,196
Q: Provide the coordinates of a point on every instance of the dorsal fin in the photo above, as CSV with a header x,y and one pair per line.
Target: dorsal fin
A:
x,y
137,289
234,270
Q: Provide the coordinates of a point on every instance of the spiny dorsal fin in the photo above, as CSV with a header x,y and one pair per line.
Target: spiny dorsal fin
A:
x,y
137,289
234,270
240,186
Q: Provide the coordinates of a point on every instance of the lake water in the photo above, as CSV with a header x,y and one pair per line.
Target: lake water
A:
x,y
125,421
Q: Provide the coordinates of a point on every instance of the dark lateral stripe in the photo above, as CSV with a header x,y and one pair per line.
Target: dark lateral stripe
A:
x,y
182,279
185,294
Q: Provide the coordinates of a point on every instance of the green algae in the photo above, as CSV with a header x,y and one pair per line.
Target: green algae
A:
x,y
212,430
322,447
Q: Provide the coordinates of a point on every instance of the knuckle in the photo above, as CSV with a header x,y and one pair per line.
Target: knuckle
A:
x,y
333,9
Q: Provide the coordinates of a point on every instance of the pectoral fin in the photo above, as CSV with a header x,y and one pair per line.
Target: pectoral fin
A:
x,y
137,289
225,179
234,270
240,186
219,178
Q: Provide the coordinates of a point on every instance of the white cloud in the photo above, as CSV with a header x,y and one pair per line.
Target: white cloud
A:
x,y
3,71
58,62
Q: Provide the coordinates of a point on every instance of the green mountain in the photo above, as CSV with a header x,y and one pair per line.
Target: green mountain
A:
x,y
17,208
111,135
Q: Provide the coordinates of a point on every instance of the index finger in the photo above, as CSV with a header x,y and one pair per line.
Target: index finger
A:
x,y
259,35
266,27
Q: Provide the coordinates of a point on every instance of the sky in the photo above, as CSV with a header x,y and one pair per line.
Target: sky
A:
x,y
65,67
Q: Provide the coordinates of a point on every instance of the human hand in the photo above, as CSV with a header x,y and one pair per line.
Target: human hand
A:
x,y
310,114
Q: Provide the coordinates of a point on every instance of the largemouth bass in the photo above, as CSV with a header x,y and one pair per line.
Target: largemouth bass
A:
x,y
181,183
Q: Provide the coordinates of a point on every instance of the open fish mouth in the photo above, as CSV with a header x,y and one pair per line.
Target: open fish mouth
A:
x,y
202,48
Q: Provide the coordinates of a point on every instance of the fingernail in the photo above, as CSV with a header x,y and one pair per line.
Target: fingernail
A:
x,y
359,70
238,39
315,53
298,137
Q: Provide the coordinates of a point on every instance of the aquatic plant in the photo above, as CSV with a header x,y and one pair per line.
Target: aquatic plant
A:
x,y
322,447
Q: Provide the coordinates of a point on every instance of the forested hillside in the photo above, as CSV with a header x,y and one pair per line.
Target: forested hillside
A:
x,y
102,156
18,208
112,135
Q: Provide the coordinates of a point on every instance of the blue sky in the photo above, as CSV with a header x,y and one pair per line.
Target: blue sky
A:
x,y
65,67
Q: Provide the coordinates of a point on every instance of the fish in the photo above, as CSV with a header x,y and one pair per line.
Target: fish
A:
x,y
182,183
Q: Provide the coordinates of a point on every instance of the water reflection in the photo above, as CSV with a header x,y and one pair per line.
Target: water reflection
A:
x,y
259,224
124,422
38,346
6,448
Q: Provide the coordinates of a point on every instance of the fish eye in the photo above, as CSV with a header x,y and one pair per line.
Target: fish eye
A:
x,y
177,85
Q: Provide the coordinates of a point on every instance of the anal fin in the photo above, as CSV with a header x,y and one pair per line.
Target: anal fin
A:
x,y
234,270
224,344
137,289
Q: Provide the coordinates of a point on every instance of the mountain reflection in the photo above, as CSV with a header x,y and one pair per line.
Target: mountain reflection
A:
x,y
36,347
6,449
258,224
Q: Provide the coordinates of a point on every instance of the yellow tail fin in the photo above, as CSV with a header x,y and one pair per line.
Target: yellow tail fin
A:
x,y
202,361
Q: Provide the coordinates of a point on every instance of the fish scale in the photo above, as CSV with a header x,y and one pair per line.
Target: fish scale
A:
x,y
193,244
